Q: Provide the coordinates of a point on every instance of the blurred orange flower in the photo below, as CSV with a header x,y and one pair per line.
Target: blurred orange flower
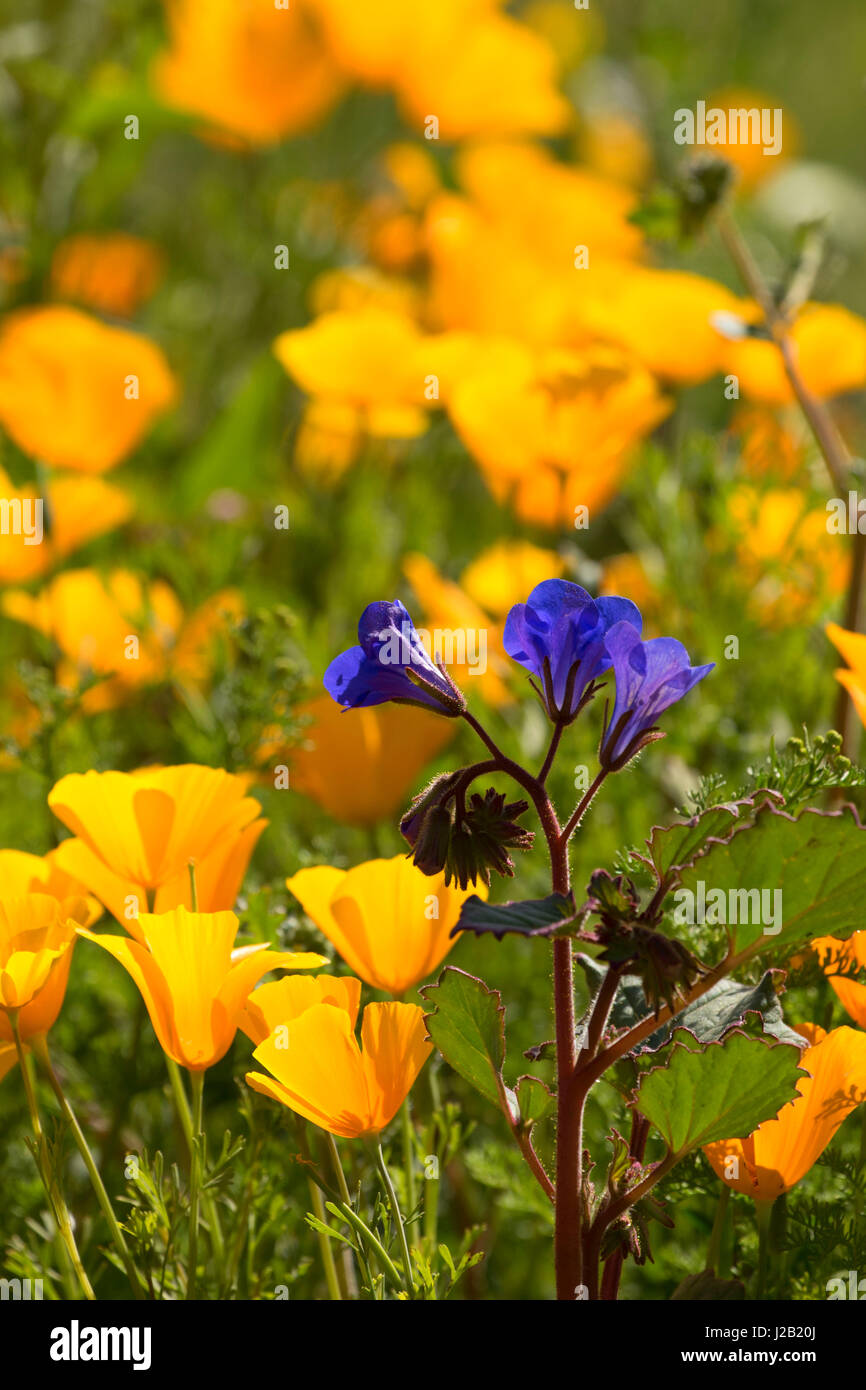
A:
x,y
464,628
785,552
390,922
136,833
249,68
319,1071
555,434
504,573
829,343
75,510
75,392
111,272
753,166
852,645
447,60
360,765
119,627
780,1152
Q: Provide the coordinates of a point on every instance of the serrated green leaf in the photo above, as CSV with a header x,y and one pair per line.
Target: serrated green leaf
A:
x,y
534,1099
817,862
723,1007
468,1026
721,1091
550,916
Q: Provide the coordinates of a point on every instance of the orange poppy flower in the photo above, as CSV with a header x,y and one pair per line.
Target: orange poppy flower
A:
x,y
390,922
273,1005
112,273
192,982
780,1152
75,392
137,833
852,645
319,1071
37,934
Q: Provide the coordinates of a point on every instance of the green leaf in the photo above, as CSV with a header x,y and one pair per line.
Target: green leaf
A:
x,y
675,847
723,1007
550,916
468,1026
721,1091
816,862
534,1099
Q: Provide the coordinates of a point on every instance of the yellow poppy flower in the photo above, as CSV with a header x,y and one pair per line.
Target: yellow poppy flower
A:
x,y
250,69
136,833
829,346
504,573
780,1152
552,196
786,556
390,922
120,627
360,765
75,392
112,273
37,934
365,362
319,1071
193,984
847,956
75,509
555,434
22,873
274,1004
665,318
448,59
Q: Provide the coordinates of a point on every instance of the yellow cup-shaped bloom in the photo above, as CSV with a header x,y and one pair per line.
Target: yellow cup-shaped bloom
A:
x,y
192,982
136,833
504,573
37,934
275,1004
840,959
76,393
390,922
781,1151
359,765
319,1071
74,509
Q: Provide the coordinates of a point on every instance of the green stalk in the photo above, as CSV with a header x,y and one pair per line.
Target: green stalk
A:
x,y
408,1155
397,1218
714,1252
325,1248
40,1045
197,1086
50,1181
763,1215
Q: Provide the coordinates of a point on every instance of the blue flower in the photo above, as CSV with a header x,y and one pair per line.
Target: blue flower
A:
x,y
390,664
650,676
559,635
